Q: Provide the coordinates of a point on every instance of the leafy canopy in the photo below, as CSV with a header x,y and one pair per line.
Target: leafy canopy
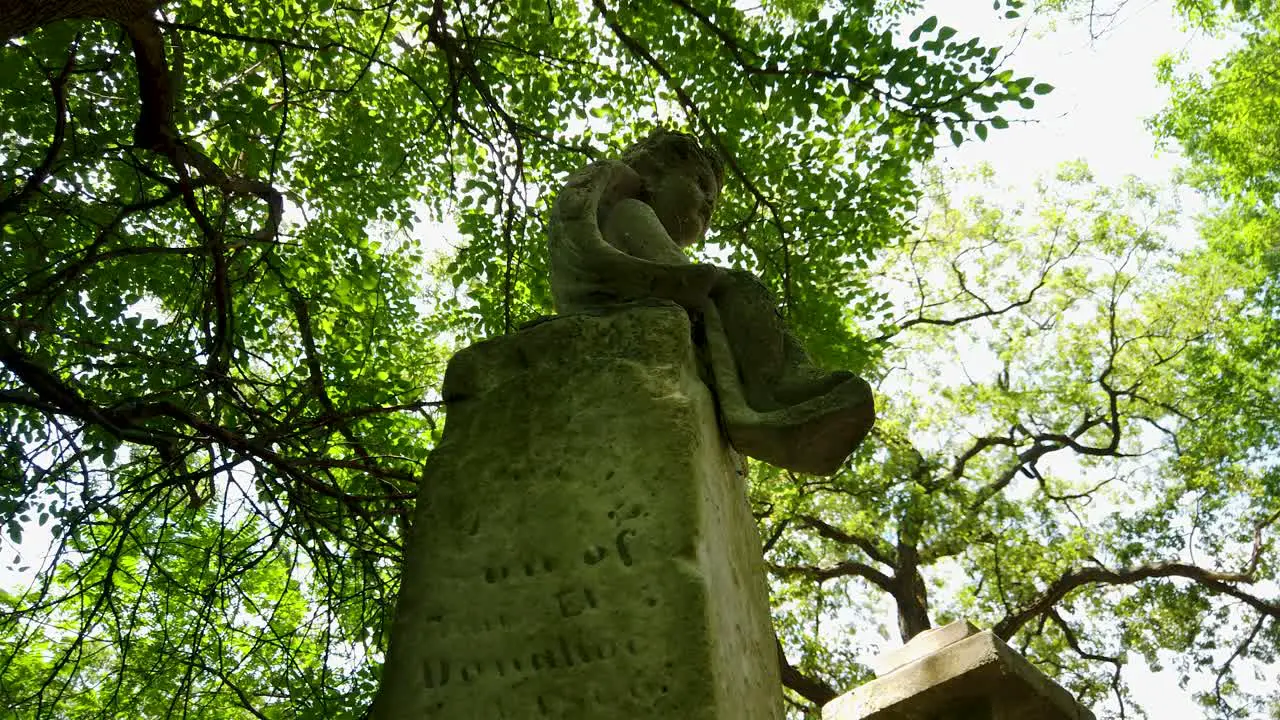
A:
x,y
222,319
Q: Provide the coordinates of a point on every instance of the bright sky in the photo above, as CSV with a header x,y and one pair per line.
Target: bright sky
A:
x,y
1105,90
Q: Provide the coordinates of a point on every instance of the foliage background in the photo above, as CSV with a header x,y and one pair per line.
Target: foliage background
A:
x,y
220,333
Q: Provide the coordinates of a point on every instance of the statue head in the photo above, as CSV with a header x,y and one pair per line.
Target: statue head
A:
x,y
681,181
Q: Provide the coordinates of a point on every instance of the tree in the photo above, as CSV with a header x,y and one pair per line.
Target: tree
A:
x,y
1052,457
1103,483
219,334
1100,17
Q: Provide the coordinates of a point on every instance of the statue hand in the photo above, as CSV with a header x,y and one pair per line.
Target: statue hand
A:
x,y
699,282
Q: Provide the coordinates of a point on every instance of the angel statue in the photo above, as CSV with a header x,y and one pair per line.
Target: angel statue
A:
x,y
616,237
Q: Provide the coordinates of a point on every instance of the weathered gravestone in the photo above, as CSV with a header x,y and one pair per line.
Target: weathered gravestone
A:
x,y
583,547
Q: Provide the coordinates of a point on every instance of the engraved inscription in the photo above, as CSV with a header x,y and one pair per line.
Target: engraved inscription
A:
x,y
620,515
437,673
526,585
594,554
586,701
437,627
575,602
624,554
527,568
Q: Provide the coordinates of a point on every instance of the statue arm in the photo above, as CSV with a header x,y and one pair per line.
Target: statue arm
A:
x,y
603,238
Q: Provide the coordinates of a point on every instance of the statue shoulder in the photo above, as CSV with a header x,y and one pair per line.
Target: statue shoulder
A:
x,y
596,186
603,172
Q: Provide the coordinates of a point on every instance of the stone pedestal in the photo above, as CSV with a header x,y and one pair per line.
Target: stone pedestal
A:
x,y
583,547
956,672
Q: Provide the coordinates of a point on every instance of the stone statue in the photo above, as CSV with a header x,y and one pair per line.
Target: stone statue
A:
x,y
617,229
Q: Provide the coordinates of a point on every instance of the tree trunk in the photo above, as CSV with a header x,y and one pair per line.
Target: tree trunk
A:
x,y
910,593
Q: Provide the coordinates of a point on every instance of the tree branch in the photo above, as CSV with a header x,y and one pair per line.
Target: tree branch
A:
x,y
847,568
873,549
958,320
58,85
810,688
1072,580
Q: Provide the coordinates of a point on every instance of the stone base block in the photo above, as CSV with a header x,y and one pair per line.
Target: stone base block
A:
x,y
583,547
957,673
926,643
